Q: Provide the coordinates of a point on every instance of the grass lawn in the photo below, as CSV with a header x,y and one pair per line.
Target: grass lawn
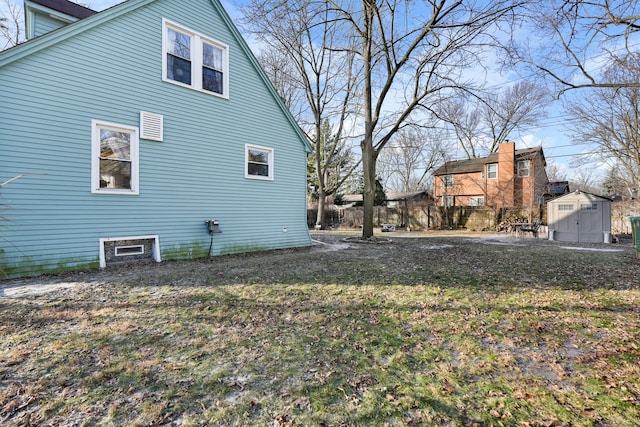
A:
x,y
443,331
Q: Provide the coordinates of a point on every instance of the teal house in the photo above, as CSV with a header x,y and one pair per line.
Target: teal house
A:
x,y
146,131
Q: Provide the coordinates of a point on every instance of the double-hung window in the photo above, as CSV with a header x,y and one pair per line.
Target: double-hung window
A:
x,y
476,201
190,59
448,181
523,168
492,171
114,163
259,162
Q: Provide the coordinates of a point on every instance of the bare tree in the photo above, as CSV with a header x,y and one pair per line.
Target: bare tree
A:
x,y
405,163
464,119
304,33
554,172
575,38
283,75
484,121
609,118
412,53
11,19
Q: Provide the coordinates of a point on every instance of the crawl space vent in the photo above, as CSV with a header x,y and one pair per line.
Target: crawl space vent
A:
x,y
151,126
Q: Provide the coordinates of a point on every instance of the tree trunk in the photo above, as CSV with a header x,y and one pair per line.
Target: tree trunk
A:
x,y
369,156
369,194
321,202
320,146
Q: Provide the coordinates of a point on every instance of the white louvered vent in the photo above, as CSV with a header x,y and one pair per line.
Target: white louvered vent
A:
x,y
151,126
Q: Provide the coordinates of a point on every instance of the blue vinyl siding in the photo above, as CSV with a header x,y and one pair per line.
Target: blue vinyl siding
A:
x,y
43,24
111,72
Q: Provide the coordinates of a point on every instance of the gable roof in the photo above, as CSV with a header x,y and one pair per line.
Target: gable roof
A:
x,y
39,43
67,7
579,194
477,164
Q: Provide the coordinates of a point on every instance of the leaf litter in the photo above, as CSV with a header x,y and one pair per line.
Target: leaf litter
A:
x,y
420,331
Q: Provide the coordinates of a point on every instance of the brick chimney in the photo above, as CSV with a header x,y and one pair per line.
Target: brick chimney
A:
x,y
506,173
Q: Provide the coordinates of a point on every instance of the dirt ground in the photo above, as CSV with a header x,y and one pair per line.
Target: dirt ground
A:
x,y
323,241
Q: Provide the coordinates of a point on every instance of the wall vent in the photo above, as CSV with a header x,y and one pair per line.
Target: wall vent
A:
x,y
119,250
151,126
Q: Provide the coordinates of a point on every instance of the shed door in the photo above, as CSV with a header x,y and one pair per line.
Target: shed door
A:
x,y
566,222
590,223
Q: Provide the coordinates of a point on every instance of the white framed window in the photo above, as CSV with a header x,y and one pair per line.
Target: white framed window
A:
x,y
448,181
524,167
492,171
447,201
193,60
258,162
114,158
565,207
476,201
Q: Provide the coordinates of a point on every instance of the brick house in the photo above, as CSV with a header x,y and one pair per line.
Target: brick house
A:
x,y
504,179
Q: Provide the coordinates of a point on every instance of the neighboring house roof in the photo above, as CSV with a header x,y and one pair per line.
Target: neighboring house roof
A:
x,y
93,20
477,164
393,196
67,7
352,198
558,188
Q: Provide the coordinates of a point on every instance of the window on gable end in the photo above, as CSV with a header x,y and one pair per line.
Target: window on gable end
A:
x,y
193,60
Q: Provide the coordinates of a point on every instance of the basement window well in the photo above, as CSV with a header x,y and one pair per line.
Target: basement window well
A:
x,y
131,249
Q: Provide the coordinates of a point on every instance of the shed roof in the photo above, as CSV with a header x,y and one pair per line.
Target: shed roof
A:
x,y
578,194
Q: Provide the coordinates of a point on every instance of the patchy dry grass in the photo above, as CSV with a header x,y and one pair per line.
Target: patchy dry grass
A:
x,y
422,331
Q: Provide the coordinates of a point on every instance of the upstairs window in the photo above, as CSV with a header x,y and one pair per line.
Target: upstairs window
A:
x,y
523,168
448,181
195,61
259,162
179,57
492,171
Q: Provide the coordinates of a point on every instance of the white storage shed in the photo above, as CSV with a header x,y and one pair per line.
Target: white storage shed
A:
x,y
580,217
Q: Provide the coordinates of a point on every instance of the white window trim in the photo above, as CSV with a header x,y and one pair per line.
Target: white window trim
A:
x,y
196,58
248,147
476,201
446,182
96,125
528,168
489,164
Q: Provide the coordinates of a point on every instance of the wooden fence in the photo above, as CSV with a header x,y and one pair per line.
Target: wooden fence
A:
x,y
418,217
412,217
